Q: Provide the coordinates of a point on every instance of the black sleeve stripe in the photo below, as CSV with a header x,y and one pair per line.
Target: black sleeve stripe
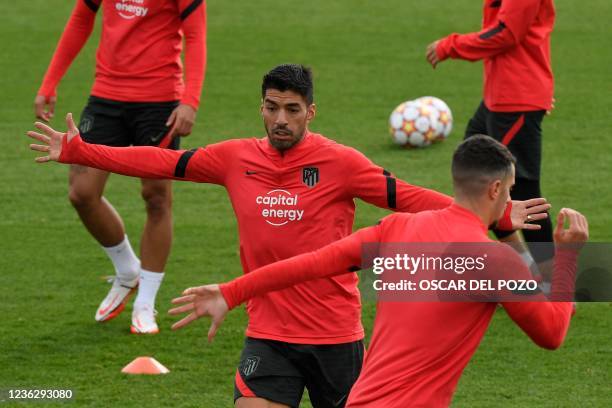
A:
x,y
391,193
495,4
190,9
354,268
181,165
488,34
386,173
92,5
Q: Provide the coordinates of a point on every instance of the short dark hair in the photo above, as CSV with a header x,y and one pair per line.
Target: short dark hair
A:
x,y
290,77
477,161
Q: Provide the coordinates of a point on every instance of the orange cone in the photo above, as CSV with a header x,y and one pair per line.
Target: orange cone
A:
x,y
145,365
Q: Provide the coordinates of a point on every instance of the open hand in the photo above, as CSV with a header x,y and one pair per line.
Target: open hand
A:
x,y
51,139
201,301
523,213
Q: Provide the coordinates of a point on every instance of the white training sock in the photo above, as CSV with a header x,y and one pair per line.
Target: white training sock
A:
x,y
148,287
124,260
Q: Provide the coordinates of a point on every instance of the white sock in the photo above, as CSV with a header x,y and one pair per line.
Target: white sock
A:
x,y
148,287
124,260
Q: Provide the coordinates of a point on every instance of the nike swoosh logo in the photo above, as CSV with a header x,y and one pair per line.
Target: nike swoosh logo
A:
x,y
157,138
340,401
250,173
106,309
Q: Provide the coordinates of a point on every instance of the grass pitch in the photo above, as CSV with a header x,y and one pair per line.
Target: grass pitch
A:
x,y
367,57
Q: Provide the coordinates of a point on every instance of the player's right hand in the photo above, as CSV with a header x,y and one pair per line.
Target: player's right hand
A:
x,y
51,139
201,301
577,232
44,107
431,55
182,120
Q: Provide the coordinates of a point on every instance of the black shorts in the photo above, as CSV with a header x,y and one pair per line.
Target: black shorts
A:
x,y
520,131
279,371
115,123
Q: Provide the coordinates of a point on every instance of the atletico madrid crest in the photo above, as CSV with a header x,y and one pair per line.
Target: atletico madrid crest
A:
x,y
310,176
86,124
250,365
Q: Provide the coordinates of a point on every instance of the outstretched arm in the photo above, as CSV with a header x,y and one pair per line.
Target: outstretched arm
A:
x,y
379,187
343,256
201,165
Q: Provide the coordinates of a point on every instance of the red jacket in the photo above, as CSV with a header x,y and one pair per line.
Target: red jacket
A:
x,y
515,46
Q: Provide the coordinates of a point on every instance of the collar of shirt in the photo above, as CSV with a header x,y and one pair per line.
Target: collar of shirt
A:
x,y
290,154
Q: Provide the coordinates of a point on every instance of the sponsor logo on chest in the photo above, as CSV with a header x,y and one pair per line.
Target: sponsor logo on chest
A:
x,y
129,9
279,207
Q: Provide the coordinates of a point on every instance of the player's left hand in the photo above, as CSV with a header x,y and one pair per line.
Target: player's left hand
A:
x,y
432,55
552,106
201,301
578,232
181,119
523,213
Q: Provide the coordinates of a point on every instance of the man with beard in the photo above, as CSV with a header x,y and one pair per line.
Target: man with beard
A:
x,y
292,192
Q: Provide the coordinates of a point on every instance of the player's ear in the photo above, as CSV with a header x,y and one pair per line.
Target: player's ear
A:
x,y
495,188
311,111
261,106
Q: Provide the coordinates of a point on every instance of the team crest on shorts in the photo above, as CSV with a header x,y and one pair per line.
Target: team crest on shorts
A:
x,y
250,365
86,124
310,176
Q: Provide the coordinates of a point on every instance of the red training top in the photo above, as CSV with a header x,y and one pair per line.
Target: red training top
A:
x,y
419,350
515,46
139,54
285,204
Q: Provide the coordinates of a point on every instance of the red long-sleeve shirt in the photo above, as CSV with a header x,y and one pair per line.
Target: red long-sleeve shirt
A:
x,y
515,45
139,54
285,204
419,350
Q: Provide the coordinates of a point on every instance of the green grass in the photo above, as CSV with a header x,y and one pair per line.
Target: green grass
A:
x,y
367,56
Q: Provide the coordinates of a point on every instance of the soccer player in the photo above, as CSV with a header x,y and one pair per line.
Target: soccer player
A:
x,y
514,44
419,350
292,192
138,97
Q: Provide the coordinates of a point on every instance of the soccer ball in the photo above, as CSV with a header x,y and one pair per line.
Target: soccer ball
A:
x,y
420,122
445,118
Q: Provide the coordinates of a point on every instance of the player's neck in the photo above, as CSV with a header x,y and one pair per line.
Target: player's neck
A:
x,y
478,207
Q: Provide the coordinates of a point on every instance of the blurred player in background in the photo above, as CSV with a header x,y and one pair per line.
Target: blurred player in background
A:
x,y
139,97
292,192
418,350
514,44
